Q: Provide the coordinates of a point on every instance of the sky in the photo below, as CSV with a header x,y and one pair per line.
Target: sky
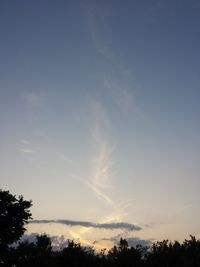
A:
x,y
99,115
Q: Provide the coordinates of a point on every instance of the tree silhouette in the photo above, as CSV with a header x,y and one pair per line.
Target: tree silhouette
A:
x,y
170,254
76,255
160,254
14,213
123,255
43,250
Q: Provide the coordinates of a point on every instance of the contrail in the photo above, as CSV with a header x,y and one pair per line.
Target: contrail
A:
x,y
100,176
97,192
101,195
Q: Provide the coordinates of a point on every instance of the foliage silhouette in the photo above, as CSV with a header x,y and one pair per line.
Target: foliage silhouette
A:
x,y
41,254
162,254
123,255
14,213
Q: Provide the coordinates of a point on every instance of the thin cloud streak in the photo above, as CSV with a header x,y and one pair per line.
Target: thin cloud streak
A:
x,y
64,158
121,94
100,177
122,88
25,142
97,192
124,94
33,99
102,162
101,194
109,226
27,151
96,17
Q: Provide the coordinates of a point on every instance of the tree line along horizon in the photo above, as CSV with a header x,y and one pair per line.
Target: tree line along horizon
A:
x,y
15,214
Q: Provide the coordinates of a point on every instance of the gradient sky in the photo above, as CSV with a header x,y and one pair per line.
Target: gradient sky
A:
x,y
99,115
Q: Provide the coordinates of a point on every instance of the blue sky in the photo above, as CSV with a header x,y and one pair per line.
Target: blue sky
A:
x,y
99,114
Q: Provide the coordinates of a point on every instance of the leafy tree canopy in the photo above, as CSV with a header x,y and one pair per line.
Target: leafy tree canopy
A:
x,y
14,213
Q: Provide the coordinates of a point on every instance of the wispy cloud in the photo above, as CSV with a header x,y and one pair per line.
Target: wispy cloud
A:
x,y
98,24
96,17
110,226
42,135
26,147
27,151
101,195
123,95
25,142
64,158
33,99
122,86
61,241
100,177
58,241
101,162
